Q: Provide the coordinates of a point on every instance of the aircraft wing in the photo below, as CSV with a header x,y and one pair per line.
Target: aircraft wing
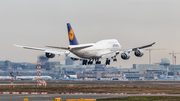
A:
x,y
109,55
134,49
59,52
115,53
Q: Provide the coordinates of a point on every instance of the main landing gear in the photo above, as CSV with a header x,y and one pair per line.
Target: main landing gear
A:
x,y
108,60
84,62
90,62
98,62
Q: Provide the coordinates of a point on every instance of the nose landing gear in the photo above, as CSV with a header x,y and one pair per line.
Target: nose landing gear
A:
x,y
107,62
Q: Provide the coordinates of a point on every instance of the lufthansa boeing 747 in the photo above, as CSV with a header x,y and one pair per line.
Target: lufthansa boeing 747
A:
x,y
88,53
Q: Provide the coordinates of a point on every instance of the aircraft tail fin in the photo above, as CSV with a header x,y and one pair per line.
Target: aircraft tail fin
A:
x,y
71,35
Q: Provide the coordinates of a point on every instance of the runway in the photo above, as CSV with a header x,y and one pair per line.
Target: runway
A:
x,y
50,97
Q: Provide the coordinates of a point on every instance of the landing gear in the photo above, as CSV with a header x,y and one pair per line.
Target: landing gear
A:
x,y
90,62
115,60
98,62
107,62
84,62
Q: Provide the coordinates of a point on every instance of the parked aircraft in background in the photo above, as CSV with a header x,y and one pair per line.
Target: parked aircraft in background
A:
x,y
104,49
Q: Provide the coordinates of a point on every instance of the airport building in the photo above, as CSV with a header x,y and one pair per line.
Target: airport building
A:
x,y
144,67
145,76
161,70
76,71
68,60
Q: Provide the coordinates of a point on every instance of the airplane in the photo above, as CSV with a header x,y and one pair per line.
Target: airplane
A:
x,y
105,49
18,74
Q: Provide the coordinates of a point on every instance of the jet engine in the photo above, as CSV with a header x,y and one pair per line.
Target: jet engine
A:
x,y
125,56
138,53
50,55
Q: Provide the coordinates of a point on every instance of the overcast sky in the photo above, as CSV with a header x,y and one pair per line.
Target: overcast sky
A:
x,y
132,22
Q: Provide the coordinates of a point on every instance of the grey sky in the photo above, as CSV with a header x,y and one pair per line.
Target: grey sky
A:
x,y
132,22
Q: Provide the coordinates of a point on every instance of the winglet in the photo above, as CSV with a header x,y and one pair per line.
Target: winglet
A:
x,y
143,46
18,45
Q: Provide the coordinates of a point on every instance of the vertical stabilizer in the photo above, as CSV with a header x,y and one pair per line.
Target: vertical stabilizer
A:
x,y
71,35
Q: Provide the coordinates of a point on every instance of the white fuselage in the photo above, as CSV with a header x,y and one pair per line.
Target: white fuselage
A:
x,y
97,49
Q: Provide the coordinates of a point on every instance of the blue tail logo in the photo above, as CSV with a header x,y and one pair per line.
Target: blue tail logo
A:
x,y
72,37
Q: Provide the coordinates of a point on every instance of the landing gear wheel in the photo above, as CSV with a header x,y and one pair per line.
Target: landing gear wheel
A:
x,y
84,62
98,62
90,62
107,62
114,59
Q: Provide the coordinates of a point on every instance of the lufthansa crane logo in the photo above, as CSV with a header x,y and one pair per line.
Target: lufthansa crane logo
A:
x,y
71,35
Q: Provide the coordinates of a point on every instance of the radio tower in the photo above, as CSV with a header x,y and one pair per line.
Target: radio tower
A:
x,y
38,73
11,79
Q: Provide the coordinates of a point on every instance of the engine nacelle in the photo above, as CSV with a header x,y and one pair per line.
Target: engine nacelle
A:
x,y
125,56
50,55
138,53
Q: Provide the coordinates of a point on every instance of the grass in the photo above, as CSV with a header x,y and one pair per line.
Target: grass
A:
x,y
135,87
91,89
143,98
